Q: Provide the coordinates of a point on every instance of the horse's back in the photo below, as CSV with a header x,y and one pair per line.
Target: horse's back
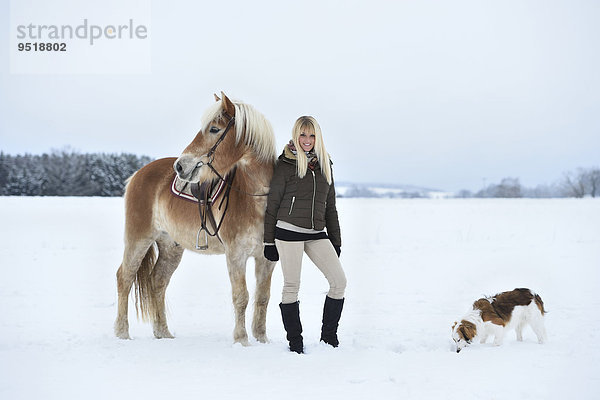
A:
x,y
153,210
152,174
141,195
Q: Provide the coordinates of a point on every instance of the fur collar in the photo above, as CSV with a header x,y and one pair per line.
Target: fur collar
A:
x,y
289,152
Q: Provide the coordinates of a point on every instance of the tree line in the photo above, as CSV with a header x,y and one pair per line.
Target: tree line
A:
x,y
580,183
67,173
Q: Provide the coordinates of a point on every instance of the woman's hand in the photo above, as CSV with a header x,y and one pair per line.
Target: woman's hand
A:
x,y
271,252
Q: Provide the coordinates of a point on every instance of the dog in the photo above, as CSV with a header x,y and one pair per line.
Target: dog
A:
x,y
498,314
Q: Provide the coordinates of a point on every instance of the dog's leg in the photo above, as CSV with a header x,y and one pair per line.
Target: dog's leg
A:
x,y
519,330
499,335
537,324
484,337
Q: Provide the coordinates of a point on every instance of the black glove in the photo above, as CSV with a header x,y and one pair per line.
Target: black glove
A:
x,y
338,250
271,253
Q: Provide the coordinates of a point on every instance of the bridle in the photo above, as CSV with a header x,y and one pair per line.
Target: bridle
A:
x,y
211,153
201,192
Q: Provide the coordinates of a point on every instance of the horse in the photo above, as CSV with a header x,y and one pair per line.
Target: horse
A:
x,y
159,225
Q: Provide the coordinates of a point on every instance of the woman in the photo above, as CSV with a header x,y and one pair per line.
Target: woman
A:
x,y
301,217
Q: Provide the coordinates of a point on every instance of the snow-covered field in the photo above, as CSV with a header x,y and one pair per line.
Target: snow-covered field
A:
x,y
413,267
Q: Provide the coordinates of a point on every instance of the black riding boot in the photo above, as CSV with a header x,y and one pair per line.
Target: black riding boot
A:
x,y
290,313
331,317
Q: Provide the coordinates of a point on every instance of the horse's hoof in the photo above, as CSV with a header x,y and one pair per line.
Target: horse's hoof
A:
x,y
123,335
243,341
169,336
122,330
163,334
262,339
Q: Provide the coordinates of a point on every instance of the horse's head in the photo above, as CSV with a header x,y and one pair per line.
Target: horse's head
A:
x,y
230,132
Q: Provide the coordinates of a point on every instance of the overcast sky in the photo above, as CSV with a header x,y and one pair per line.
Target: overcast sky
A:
x,y
442,94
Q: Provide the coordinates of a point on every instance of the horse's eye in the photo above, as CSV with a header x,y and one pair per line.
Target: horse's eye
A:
x,y
214,129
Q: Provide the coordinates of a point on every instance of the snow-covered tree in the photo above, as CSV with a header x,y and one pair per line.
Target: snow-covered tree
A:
x,y
67,173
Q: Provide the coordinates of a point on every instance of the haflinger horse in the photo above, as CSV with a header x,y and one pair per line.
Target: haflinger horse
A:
x,y
235,139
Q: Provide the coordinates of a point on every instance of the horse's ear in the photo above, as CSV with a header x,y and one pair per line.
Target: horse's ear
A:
x,y
228,105
217,98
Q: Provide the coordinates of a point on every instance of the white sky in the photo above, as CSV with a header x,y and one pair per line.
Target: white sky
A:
x,y
443,94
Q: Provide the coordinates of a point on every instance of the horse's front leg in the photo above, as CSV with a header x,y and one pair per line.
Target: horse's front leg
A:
x,y
264,271
236,265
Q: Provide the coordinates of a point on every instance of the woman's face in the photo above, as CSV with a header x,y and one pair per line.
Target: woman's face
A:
x,y
307,141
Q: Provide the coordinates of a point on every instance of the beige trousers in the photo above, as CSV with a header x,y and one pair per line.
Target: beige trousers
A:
x,y
322,253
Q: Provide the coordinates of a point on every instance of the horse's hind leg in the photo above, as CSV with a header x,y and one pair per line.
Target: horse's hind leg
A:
x,y
169,257
134,256
264,271
236,266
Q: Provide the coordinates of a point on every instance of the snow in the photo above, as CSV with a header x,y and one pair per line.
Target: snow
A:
x,y
413,267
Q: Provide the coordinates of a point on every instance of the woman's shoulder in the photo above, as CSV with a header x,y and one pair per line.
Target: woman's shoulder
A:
x,y
287,157
284,165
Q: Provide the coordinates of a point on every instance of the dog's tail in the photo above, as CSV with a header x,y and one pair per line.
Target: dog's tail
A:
x,y
539,303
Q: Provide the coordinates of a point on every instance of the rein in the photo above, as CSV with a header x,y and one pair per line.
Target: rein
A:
x,y
201,193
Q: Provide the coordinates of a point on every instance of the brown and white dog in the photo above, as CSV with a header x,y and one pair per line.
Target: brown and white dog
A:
x,y
498,314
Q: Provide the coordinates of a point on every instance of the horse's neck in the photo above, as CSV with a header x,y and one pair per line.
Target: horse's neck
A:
x,y
254,176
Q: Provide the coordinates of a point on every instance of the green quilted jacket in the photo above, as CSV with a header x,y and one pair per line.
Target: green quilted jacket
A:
x,y
308,202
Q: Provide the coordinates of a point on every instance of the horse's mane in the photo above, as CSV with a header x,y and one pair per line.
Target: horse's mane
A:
x,y
250,125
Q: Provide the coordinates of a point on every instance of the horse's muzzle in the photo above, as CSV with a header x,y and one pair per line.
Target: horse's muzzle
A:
x,y
183,168
187,167
179,169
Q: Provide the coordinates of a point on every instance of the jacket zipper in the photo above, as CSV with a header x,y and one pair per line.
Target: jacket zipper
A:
x,y
292,206
312,212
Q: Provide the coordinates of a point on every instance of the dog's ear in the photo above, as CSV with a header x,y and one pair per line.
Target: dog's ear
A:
x,y
464,332
455,322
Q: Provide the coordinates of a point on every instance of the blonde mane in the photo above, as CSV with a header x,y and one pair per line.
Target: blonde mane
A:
x,y
250,125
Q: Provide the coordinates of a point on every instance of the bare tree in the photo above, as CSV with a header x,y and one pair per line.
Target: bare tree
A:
x,y
583,182
544,191
507,188
464,194
594,181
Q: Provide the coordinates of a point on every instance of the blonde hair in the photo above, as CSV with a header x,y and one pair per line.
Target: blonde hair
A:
x,y
310,126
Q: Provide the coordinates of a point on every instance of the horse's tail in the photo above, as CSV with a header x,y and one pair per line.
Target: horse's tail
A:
x,y
144,294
